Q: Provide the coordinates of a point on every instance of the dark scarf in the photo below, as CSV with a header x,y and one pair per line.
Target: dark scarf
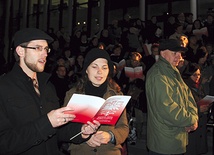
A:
x,y
95,91
192,85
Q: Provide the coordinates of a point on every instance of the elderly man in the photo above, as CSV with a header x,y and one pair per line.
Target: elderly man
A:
x,y
172,111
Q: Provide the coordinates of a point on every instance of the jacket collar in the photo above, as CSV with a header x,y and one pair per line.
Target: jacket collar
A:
x,y
19,74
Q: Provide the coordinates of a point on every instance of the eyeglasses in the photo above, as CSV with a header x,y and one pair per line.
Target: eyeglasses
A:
x,y
38,48
195,75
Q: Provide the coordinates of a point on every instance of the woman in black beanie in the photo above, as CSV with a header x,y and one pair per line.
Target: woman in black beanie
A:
x,y
97,80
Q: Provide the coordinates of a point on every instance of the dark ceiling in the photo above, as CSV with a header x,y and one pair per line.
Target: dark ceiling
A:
x,y
115,4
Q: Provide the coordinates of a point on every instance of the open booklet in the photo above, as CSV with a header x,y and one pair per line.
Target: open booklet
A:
x,y
136,72
89,108
206,101
199,32
120,65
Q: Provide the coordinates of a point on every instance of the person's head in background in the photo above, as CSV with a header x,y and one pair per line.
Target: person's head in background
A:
x,y
154,19
155,51
67,53
77,33
189,18
171,20
210,49
197,24
94,42
170,50
60,61
135,58
178,28
192,72
79,59
117,49
61,71
201,56
68,57
181,18
210,19
104,33
192,40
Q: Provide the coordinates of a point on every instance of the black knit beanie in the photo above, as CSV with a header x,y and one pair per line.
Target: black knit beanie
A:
x,y
94,54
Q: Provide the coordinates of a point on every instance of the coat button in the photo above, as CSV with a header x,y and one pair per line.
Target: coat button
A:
x,y
38,141
95,150
49,136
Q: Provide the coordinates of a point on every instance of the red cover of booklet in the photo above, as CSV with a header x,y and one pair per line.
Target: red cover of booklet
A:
x,y
136,72
88,108
207,101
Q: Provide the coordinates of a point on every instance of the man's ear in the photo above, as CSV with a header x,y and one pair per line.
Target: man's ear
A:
x,y
20,51
162,53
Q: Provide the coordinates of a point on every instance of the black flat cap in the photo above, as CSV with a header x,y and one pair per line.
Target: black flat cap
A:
x,y
172,45
29,34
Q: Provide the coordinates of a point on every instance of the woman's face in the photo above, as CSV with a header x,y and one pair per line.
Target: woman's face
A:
x,y
196,76
98,71
95,41
80,59
117,51
197,25
67,53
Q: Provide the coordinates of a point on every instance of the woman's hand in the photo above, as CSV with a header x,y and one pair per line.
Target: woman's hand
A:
x,y
92,142
89,128
100,137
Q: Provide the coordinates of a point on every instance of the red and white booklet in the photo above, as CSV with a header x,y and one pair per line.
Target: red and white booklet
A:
x,y
89,108
136,72
206,101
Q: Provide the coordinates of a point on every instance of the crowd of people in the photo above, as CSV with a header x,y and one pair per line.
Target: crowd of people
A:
x,y
166,71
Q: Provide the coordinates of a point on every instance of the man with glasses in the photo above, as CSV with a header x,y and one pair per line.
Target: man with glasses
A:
x,y
32,122
172,111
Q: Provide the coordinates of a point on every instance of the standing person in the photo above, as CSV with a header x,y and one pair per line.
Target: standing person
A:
x,y
172,110
198,138
31,121
135,87
97,81
61,82
149,60
178,32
